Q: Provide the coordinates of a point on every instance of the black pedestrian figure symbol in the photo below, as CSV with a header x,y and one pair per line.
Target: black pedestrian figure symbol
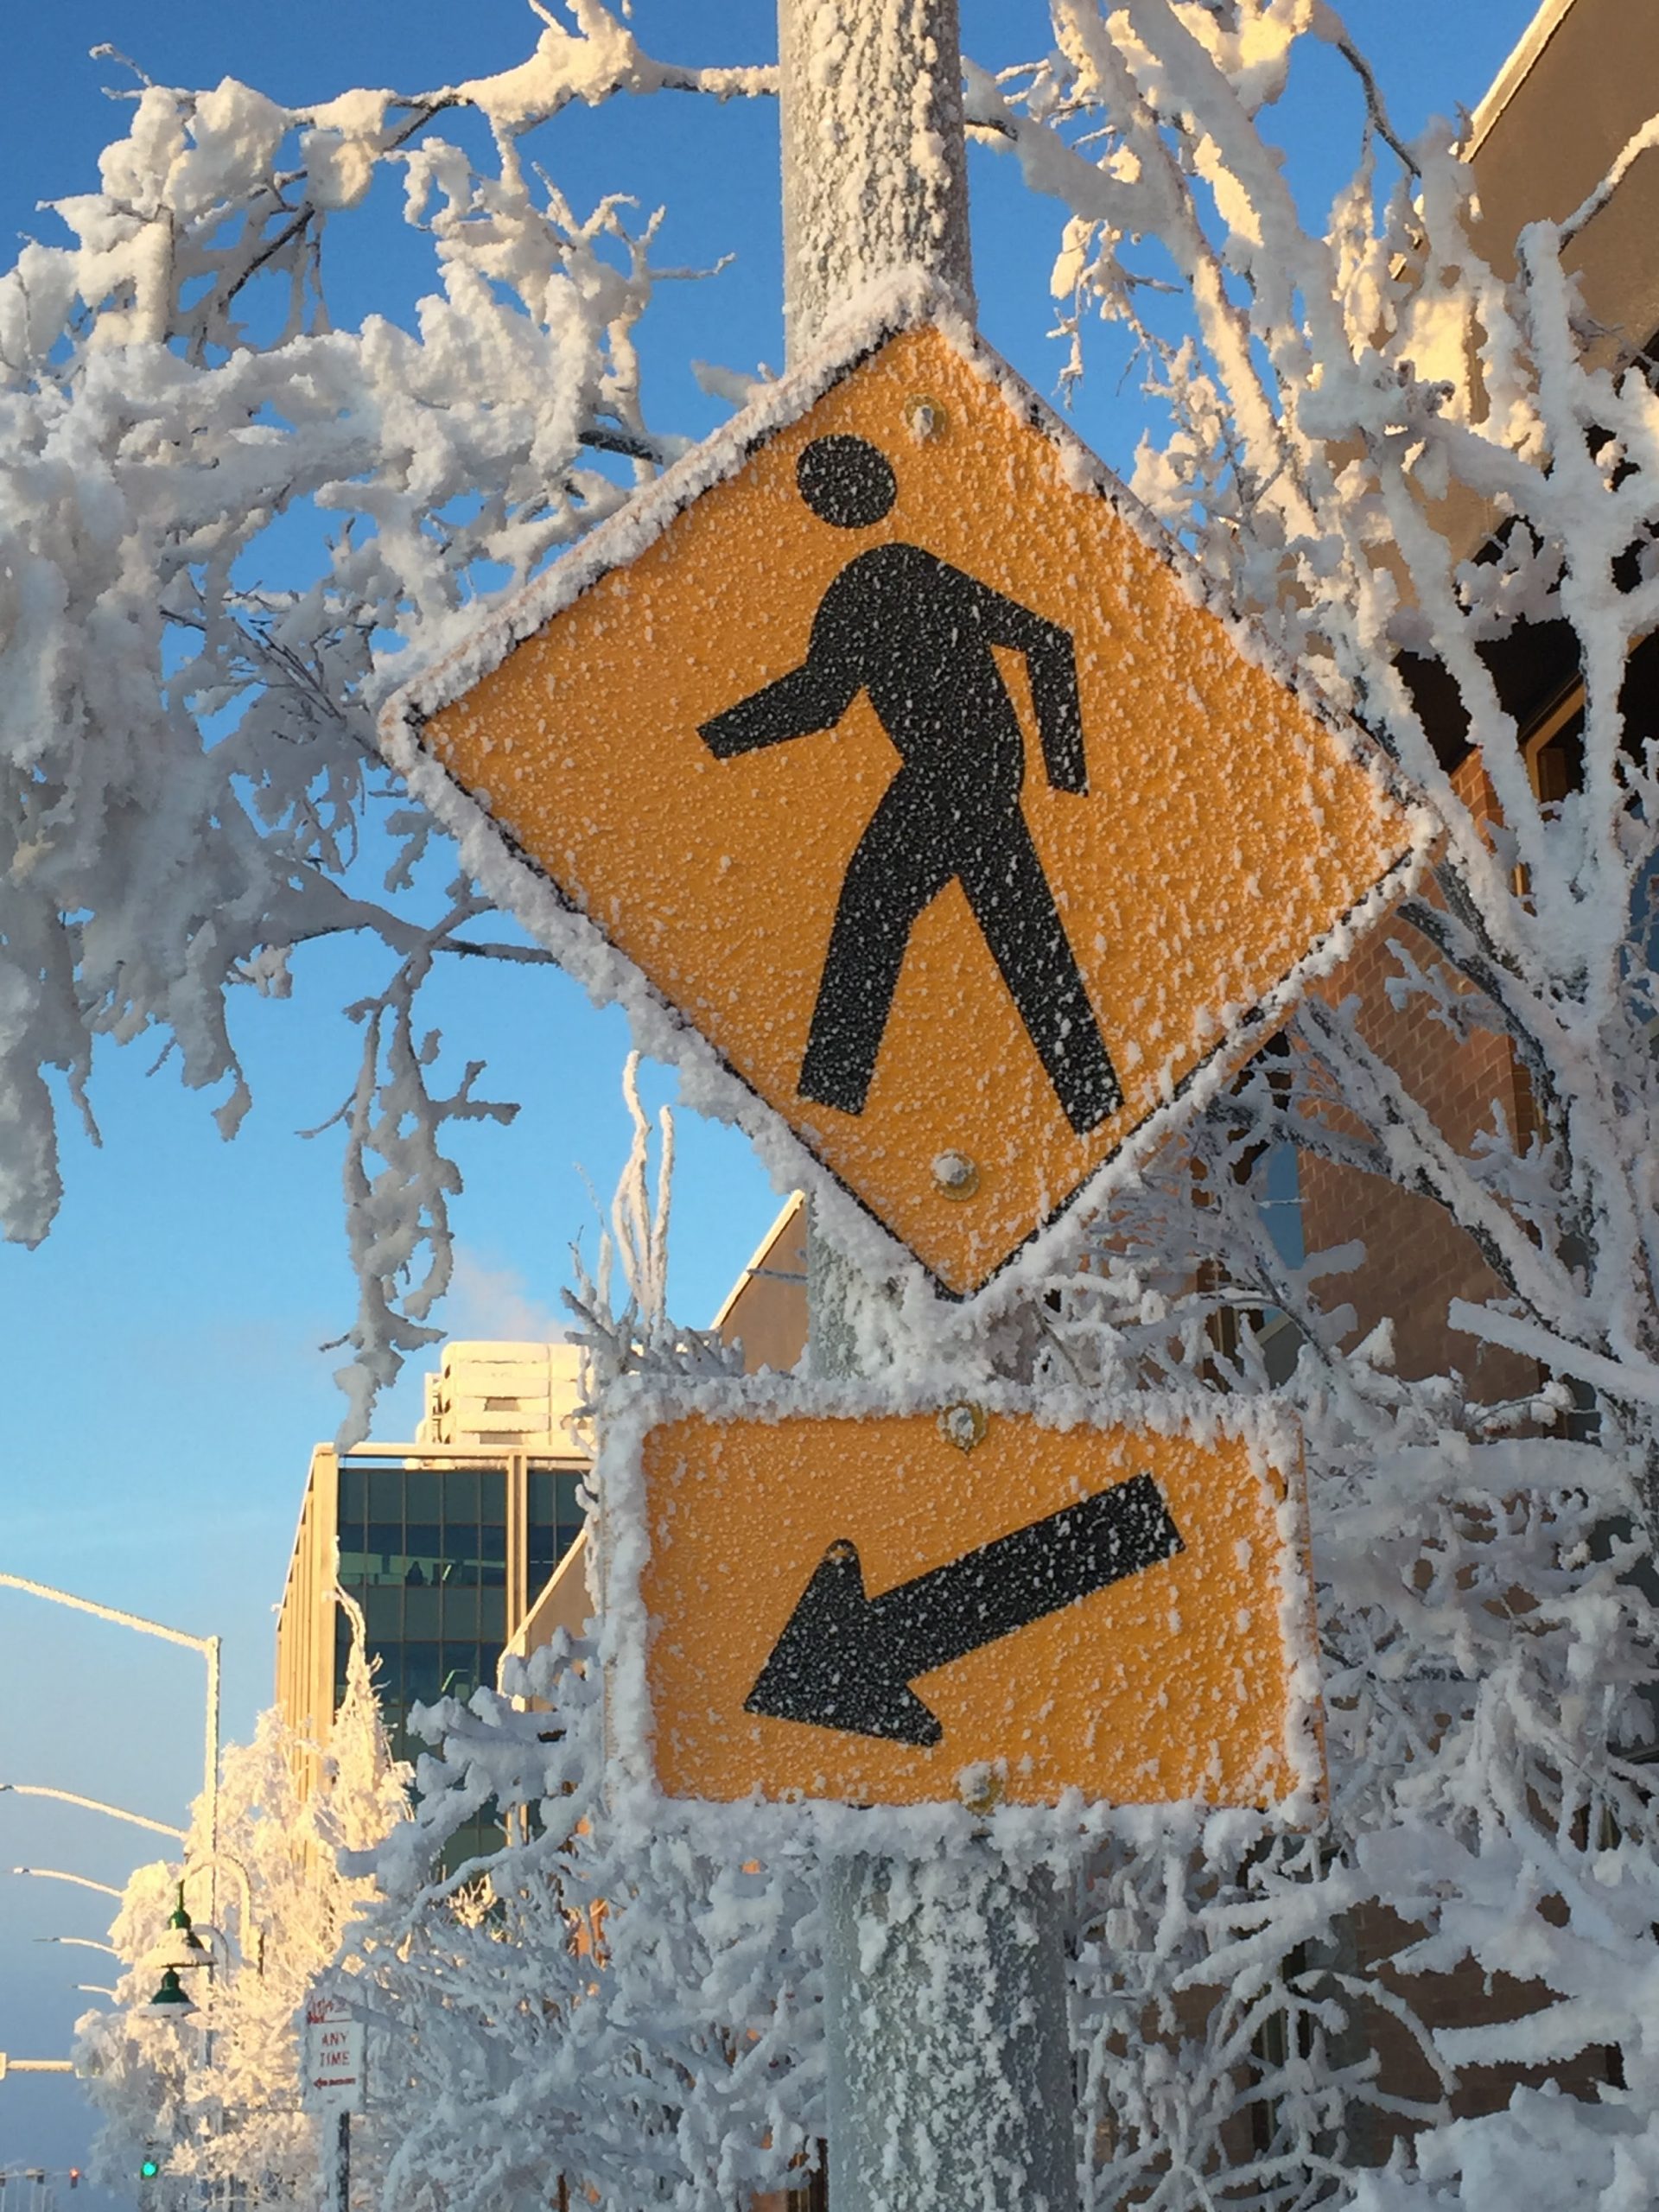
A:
x,y
916,635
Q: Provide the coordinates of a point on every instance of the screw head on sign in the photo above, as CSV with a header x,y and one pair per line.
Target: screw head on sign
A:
x,y
963,1425
982,1786
925,418
955,1175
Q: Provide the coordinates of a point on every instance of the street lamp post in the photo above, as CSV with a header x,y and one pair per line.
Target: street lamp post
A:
x,y
92,1805
208,1646
247,1926
188,1950
81,1881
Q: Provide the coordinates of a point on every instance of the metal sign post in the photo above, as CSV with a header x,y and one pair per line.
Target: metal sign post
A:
x,y
342,2173
945,2027
888,2045
947,2037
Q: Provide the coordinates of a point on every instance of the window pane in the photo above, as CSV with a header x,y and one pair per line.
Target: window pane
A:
x,y
474,1839
493,1499
460,1494
385,1546
1282,1204
569,1512
421,1613
424,1543
459,1612
353,1495
383,1609
493,1616
423,1674
459,1669
385,1493
422,1494
540,1499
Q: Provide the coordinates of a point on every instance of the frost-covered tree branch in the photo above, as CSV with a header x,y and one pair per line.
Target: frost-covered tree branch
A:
x,y
216,2099
226,525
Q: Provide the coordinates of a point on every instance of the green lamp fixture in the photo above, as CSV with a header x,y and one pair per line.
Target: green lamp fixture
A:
x,y
180,1950
171,1996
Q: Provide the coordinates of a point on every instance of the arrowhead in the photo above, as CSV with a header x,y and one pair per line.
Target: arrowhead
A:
x,y
836,1666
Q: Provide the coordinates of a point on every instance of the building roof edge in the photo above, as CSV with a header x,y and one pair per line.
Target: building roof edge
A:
x,y
757,1262
1514,72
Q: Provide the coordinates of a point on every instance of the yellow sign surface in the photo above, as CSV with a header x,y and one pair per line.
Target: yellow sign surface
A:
x,y
917,779
860,1609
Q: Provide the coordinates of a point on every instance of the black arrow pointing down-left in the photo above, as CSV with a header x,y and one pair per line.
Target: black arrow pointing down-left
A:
x,y
846,1660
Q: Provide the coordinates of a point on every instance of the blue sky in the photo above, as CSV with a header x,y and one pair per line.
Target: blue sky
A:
x,y
165,1383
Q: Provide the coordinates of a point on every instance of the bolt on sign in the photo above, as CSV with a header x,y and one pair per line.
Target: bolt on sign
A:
x,y
900,755
964,1604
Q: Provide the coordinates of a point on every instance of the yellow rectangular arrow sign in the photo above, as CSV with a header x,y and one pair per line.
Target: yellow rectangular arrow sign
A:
x,y
968,1603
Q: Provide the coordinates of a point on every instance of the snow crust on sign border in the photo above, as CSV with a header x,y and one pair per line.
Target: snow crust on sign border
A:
x,y
708,1084
635,1405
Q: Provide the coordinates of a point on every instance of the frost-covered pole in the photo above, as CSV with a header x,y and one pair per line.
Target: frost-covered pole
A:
x,y
944,1982
342,2177
875,167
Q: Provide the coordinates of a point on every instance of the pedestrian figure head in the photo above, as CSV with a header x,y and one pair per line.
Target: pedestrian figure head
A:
x,y
846,481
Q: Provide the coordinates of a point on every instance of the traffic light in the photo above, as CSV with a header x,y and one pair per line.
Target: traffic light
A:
x,y
74,2176
148,2170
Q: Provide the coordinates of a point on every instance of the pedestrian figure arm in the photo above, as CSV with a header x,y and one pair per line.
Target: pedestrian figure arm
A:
x,y
813,697
1053,669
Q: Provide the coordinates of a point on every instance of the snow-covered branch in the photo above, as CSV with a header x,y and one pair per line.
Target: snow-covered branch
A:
x,y
226,527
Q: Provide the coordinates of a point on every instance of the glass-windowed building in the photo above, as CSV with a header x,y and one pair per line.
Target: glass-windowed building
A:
x,y
423,1550
444,1543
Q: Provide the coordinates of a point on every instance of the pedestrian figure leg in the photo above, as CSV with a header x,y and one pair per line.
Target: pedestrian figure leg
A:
x,y
1015,907
898,866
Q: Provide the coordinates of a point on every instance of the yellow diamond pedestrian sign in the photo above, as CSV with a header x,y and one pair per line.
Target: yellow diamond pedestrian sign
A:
x,y
906,764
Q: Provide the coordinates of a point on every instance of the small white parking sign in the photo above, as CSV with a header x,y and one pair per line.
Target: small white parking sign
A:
x,y
333,2056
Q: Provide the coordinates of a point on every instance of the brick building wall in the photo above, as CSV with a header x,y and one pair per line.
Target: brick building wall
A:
x,y
1417,1259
